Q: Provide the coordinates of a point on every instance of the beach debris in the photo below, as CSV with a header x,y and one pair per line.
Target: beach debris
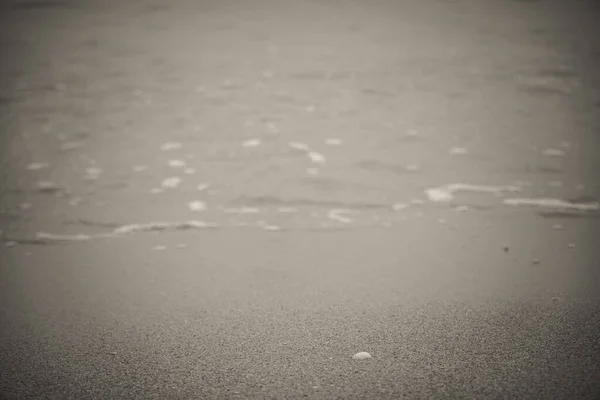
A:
x,y
37,166
310,109
553,152
571,245
10,243
545,202
506,248
412,168
536,261
189,171
159,248
203,186
557,227
171,183
197,206
168,146
156,190
176,163
312,171
363,355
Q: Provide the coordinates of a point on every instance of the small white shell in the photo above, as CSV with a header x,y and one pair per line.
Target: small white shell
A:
x,y
363,355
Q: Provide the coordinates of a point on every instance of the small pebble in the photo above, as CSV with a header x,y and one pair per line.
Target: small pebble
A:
x,y
536,261
363,355
557,227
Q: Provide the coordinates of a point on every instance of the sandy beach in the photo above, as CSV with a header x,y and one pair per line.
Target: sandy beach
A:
x,y
229,199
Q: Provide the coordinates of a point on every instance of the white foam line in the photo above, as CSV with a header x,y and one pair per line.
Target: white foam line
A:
x,y
241,210
445,193
162,226
552,203
334,214
466,187
62,238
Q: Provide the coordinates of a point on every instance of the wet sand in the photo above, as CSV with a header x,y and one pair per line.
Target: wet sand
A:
x,y
229,200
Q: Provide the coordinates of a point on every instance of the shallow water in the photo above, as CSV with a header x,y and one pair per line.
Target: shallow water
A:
x,y
297,115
